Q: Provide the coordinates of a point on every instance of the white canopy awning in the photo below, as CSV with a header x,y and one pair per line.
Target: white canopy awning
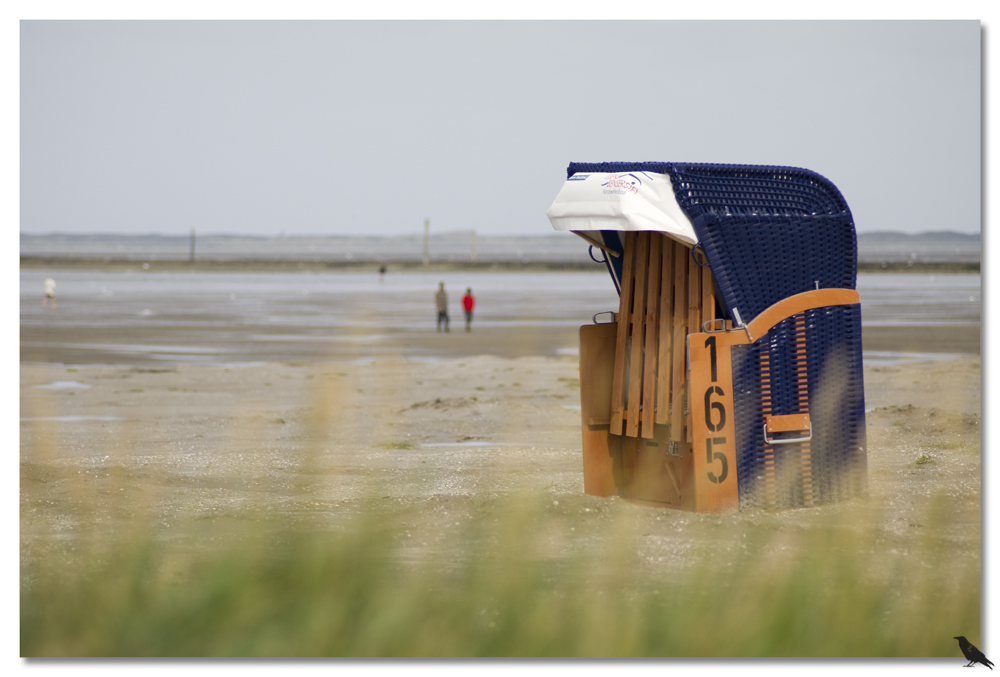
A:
x,y
621,201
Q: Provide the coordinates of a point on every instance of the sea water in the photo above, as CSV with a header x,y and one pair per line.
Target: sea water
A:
x,y
359,307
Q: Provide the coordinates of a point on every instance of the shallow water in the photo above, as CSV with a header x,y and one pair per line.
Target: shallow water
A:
x,y
920,300
334,299
200,315
883,358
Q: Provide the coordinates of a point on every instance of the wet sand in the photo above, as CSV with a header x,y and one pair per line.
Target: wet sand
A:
x,y
86,345
927,339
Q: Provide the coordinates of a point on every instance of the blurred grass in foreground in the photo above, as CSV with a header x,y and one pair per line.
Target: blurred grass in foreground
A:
x,y
281,590
497,572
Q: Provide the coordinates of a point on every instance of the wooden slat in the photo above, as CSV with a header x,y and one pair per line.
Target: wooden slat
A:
x,y
666,332
638,316
681,256
624,314
649,357
694,325
707,295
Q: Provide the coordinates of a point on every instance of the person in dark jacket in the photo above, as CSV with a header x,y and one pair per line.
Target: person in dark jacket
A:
x,y
441,303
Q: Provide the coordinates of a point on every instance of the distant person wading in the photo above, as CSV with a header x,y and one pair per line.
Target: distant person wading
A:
x,y
468,303
441,302
50,292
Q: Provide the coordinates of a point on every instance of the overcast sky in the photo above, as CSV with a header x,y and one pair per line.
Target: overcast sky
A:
x,y
371,127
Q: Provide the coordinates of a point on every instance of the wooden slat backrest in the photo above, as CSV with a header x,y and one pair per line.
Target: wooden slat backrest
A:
x,y
664,296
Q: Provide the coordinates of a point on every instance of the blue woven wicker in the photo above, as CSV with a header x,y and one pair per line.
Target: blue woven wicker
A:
x,y
836,404
769,233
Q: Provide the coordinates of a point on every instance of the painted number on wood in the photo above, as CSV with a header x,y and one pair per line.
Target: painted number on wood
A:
x,y
715,419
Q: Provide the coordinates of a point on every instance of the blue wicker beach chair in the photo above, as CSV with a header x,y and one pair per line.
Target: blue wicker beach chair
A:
x,y
737,358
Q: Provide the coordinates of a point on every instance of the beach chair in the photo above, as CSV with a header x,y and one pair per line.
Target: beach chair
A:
x,y
731,375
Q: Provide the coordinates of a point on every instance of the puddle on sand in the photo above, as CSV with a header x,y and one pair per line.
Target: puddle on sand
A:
x,y
471,443
122,348
64,385
879,358
73,419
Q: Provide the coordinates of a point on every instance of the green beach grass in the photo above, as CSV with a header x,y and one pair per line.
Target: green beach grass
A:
x,y
278,588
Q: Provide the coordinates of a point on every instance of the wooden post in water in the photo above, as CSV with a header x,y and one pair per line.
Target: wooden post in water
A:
x,y
427,236
192,245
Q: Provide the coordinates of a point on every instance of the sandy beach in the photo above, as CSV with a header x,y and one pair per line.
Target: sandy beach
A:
x,y
432,430
313,438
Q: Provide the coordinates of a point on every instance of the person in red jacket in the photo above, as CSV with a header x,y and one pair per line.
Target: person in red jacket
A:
x,y
468,303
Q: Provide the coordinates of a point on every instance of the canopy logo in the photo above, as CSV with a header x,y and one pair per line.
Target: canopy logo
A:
x,y
622,184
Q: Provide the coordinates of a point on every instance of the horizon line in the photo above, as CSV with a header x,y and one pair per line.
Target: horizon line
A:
x,y
466,231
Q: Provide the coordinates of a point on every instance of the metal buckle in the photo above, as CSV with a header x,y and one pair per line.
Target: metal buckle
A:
x,y
722,325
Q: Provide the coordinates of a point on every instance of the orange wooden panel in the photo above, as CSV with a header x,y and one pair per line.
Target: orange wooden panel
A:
x,y
602,462
630,472
601,450
597,363
654,476
710,383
